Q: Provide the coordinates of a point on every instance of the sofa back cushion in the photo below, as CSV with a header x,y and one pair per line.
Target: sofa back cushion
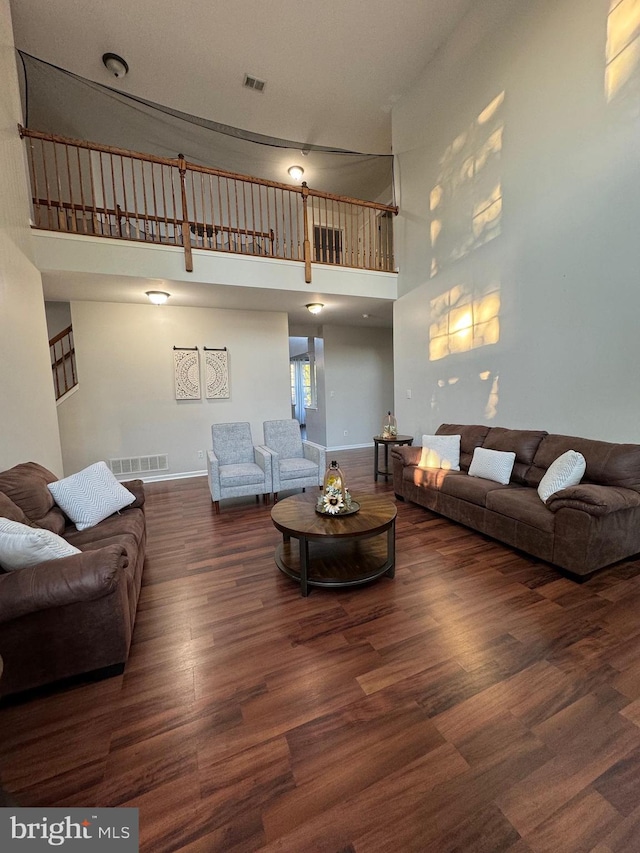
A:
x,y
11,510
471,436
608,464
523,442
26,486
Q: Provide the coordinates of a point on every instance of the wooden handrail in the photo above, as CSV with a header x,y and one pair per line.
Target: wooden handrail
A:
x,y
196,167
61,335
135,196
61,361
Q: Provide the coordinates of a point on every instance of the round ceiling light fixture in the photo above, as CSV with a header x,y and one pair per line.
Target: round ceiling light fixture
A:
x,y
296,172
314,307
115,64
158,297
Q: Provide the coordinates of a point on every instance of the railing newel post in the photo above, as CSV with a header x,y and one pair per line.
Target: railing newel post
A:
x,y
186,234
307,244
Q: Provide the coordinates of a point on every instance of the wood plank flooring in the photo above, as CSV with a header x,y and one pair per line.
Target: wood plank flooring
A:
x,y
479,701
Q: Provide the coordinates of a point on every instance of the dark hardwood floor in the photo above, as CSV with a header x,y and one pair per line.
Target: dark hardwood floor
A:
x,y
479,701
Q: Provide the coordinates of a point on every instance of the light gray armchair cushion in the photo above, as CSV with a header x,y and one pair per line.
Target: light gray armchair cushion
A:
x,y
236,467
296,463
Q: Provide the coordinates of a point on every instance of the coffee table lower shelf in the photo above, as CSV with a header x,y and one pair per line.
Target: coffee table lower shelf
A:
x,y
337,564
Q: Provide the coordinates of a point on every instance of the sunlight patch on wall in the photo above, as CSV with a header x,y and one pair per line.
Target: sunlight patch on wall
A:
x,y
491,409
466,202
480,391
623,46
462,320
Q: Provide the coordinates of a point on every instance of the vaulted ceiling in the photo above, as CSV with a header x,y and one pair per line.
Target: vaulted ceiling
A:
x,y
333,68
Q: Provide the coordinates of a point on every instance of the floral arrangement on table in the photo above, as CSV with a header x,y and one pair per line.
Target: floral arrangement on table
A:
x,y
335,501
335,498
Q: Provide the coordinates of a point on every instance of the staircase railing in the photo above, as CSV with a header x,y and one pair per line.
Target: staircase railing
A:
x,y
86,188
63,362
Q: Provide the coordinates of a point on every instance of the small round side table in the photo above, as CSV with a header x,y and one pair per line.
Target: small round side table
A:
x,y
386,443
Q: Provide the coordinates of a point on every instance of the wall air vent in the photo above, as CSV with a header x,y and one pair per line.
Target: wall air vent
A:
x,y
139,464
251,82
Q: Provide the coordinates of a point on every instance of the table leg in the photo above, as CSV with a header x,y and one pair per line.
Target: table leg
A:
x,y
386,461
375,461
304,566
391,550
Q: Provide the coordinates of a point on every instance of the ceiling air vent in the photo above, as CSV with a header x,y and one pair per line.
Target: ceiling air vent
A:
x,y
253,83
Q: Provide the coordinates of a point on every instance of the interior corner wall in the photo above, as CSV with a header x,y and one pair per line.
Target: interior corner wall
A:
x,y
518,173
125,403
358,383
29,422
58,316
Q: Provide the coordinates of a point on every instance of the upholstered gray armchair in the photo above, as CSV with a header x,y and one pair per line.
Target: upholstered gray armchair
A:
x,y
236,466
296,463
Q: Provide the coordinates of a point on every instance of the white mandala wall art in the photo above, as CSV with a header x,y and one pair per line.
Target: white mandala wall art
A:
x,y
217,366
186,363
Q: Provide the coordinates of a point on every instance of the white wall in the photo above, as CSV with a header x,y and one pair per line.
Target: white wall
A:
x,y
358,383
29,423
125,404
58,317
558,254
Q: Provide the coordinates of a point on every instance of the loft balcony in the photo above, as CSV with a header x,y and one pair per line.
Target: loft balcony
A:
x,y
87,190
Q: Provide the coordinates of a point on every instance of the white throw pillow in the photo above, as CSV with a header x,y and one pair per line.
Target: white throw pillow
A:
x,y
91,495
494,465
22,546
567,470
440,451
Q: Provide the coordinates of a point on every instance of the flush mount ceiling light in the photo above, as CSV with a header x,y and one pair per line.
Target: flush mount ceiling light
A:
x,y
296,172
314,307
158,297
115,64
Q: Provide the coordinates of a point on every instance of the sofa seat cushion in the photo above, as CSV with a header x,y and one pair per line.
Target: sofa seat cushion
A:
x,y
240,474
472,489
429,478
294,469
130,522
522,504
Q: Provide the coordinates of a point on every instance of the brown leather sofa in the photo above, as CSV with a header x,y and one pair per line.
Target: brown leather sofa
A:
x,y
580,529
74,615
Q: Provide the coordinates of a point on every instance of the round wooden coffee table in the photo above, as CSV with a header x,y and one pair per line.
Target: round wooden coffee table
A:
x,y
338,550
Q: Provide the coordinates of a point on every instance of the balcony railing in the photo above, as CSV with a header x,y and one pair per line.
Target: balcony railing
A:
x,y
86,188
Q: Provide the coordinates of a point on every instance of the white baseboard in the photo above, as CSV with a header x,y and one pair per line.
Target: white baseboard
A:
x,y
157,478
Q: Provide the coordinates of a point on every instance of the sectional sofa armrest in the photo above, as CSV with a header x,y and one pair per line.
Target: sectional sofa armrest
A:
x,y
594,499
136,487
80,577
408,455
